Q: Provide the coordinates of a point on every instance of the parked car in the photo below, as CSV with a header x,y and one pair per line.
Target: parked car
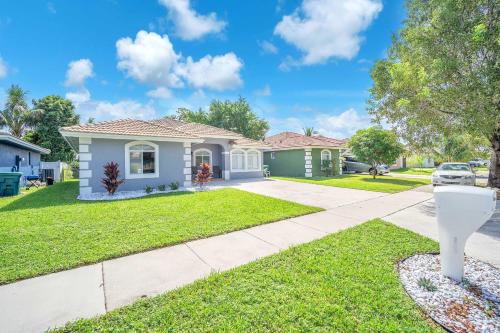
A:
x,y
454,174
478,162
350,164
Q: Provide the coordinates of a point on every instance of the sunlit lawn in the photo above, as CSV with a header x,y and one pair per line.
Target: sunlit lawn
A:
x,y
47,230
364,182
414,171
345,282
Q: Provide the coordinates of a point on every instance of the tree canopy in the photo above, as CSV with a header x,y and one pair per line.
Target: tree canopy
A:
x,y
375,146
17,115
56,112
441,75
235,116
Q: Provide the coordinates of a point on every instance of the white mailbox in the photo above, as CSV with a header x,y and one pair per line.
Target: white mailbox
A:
x,y
461,210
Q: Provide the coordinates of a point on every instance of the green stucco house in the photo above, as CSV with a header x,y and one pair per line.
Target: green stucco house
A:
x,y
298,155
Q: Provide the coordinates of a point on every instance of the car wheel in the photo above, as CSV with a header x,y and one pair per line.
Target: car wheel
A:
x,y
372,171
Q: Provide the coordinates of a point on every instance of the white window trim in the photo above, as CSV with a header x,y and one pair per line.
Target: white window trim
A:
x,y
259,161
200,150
127,161
329,153
245,160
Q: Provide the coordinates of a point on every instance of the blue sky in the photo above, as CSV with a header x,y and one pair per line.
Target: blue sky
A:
x,y
298,62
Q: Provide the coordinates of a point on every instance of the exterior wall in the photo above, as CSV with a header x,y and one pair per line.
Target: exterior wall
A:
x,y
174,164
287,163
8,160
247,174
316,164
216,150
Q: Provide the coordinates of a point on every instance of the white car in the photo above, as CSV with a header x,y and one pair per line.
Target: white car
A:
x,y
454,174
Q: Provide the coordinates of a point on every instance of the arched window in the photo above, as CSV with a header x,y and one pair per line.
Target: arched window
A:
x,y
202,156
326,155
253,160
237,160
141,160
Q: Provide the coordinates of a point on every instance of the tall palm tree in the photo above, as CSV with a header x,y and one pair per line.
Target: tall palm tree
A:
x,y
308,131
17,115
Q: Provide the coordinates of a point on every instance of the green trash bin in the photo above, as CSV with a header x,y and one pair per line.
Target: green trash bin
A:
x,y
9,183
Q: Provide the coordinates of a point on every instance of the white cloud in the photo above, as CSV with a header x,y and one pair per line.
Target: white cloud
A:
x,y
78,71
217,73
3,68
150,58
339,126
268,47
80,96
105,110
266,91
343,125
160,92
323,29
188,23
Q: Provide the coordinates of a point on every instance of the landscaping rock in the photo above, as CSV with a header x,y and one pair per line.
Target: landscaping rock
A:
x,y
472,305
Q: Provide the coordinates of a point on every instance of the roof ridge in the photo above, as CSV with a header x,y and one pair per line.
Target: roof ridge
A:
x,y
167,127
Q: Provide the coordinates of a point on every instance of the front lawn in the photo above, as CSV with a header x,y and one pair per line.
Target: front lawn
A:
x,y
364,182
48,230
414,171
345,282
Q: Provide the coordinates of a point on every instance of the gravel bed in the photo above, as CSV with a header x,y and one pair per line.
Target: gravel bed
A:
x,y
120,195
472,305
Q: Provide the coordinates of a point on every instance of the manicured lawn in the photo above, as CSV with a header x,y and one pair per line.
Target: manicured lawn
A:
x,y
415,171
49,230
364,182
345,282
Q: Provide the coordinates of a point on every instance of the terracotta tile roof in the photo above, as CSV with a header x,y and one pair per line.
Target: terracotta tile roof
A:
x,y
196,128
294,140
129,127
245,142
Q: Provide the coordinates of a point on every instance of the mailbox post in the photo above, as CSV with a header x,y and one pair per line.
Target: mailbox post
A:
x,y
461,210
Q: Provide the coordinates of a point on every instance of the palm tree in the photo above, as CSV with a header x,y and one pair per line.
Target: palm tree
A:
x,y
308,131
17,116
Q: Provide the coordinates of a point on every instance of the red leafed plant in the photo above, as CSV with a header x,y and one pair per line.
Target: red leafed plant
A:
x,y
204,175
111,181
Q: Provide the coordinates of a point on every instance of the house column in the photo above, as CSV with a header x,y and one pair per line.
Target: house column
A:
x,y
84,158
308,160
227,160
340,161
187,164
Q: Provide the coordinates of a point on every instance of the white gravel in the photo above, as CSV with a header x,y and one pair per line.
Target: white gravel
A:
x,y
470,306
121,195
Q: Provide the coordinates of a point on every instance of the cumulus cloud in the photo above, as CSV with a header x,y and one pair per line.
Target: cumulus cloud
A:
x,y
80,96
217,73
325,29
150,58
266,91
190,25
78,71
339,126
105,110
160,92
268,47
3,68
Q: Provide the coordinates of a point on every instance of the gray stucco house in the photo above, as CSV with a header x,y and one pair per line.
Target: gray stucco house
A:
x,y
159,152
21,155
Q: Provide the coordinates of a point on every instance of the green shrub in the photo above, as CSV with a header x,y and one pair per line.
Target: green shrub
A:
x,y
148,189
162,187
426,284
174,186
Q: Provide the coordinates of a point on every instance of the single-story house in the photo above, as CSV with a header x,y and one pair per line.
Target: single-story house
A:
x,y
297,155
19,155
414,161
160,152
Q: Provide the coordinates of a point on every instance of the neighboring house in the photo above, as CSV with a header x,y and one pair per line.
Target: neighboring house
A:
x,y
160,151
414,161
19,155
298,155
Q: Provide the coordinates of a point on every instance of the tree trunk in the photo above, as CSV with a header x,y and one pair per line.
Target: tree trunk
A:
x,y
494,176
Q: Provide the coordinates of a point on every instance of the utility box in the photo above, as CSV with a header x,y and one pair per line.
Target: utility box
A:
x,y
461,210
9,183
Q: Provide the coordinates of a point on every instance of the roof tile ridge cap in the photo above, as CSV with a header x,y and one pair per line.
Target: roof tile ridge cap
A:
x,y
168,127
211,126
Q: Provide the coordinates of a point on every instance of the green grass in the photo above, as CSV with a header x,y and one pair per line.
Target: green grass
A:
x,y
414,171
386,184
48,230
345,282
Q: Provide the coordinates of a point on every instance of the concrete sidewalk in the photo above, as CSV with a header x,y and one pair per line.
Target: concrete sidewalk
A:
x,y
36,304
